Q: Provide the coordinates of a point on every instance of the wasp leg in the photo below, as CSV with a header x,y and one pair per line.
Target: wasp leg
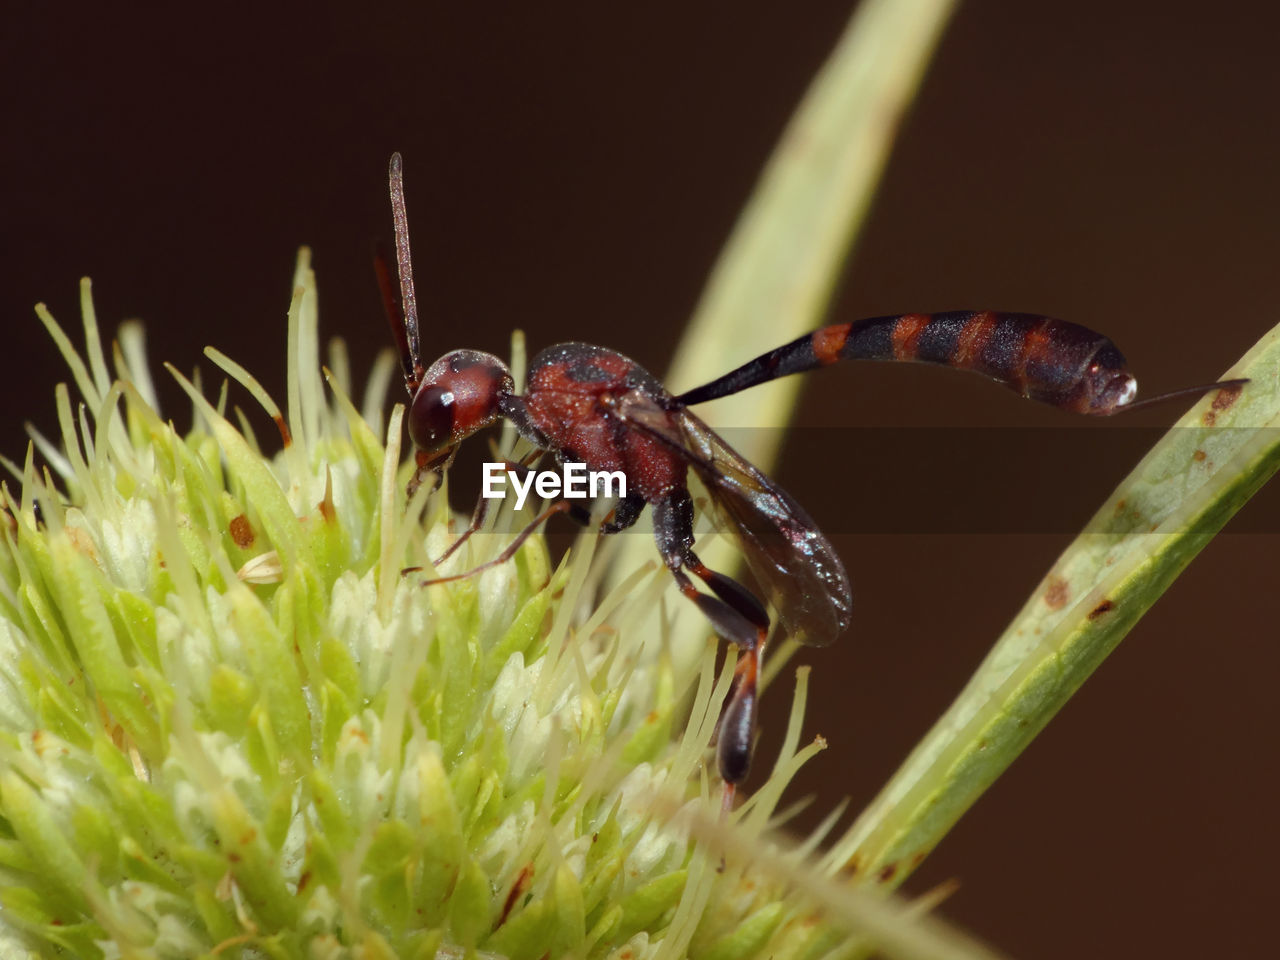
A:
x,y
729,590
624,515
561,506
425,466
477,521
513,408
737,616
736,729
481,509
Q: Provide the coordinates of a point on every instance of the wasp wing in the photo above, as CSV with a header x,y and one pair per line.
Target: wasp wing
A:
x,y
784,550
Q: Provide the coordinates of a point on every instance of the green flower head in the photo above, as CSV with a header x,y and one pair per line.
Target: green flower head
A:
x,y
232,725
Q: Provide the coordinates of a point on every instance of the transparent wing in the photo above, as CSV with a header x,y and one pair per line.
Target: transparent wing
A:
x,y
804,580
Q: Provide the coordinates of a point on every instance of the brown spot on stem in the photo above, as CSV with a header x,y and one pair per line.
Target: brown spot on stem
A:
x,y
83,544
887,872
1226,397
517,889
1198,456
285,436
241,532
1104,607
326,504
1057,593
1222,400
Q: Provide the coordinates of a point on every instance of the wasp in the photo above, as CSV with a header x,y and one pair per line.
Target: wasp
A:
x,y
591,405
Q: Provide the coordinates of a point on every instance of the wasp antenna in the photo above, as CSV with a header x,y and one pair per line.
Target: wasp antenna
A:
x,y
391,307
1184,392
404,267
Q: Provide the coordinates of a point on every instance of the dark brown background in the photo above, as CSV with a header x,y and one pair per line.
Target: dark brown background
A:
x,y
573,171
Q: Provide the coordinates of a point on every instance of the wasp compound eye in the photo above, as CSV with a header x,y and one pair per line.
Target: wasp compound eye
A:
x,y
459,395
431,418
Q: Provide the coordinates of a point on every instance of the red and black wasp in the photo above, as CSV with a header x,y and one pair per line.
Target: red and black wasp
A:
x,y
593,405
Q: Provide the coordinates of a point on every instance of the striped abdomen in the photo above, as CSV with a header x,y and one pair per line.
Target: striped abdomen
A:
x,y
1052,361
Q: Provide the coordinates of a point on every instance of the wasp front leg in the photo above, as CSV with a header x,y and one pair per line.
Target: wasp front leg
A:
x,y
481,509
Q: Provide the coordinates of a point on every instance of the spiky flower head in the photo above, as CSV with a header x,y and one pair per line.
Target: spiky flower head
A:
x,y
230,725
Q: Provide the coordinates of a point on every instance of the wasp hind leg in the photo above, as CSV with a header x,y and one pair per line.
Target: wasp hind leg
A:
x,y
737,616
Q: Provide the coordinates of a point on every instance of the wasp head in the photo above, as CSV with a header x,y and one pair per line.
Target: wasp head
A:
x,y
458,395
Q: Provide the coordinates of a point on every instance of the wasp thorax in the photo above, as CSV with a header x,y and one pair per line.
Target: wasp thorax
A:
x,y
458,396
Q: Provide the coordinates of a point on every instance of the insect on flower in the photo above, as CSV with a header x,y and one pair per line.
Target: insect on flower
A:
x,y
591,405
